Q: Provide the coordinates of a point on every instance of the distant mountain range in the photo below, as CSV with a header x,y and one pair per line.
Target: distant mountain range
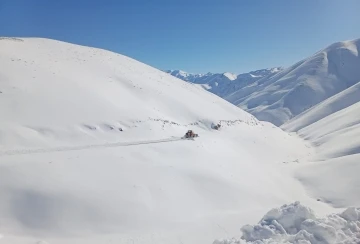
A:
x,y
319,99
224,84
277,95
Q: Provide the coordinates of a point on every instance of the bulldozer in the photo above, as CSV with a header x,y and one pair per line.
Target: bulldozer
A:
x,y
190,134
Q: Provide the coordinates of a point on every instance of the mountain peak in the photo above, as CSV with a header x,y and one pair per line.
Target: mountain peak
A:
x,y
223,84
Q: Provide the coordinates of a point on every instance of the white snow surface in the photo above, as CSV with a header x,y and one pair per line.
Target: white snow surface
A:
x,y
295,223
318,99
333,175
337,134
333,128
329,106
90,152
281,97
223,84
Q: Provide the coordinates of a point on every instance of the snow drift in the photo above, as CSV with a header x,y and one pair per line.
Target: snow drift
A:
x,y
295,223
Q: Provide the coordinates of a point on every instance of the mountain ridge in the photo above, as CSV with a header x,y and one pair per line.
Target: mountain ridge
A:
x,y
223,84
308,82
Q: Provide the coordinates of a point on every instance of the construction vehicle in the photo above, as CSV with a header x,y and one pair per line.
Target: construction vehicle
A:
x,y
190,134
217,127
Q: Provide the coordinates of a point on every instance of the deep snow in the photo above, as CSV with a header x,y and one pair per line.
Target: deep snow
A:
x,y
90,153
292,91
333,175
333,128
318,98
298,224
331,105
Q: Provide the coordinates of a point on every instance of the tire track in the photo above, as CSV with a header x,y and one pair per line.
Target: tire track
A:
x,y
85,147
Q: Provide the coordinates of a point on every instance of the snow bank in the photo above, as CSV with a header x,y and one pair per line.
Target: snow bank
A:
x,y
298,224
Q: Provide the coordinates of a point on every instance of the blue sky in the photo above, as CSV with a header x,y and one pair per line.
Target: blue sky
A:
x,y
196,36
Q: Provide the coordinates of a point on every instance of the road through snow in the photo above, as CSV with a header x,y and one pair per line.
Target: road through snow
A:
x,y
84,147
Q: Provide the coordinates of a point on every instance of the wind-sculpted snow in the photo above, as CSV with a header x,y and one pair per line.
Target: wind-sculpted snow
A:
x,y
297,224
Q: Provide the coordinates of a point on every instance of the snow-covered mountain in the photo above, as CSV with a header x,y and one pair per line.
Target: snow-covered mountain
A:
x,y
223,84
290,92
319,99
333,125
91,152
331,105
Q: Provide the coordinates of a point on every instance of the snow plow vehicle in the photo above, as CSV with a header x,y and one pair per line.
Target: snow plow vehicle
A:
x,y
190,134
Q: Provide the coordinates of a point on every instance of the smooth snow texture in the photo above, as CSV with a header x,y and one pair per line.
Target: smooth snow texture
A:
x,y
90,152
295,223
333,181
325,108
336,138
333,128
337,134
61,92
281,97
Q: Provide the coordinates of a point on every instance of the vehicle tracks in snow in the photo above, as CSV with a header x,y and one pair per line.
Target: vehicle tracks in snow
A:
x,y
85,147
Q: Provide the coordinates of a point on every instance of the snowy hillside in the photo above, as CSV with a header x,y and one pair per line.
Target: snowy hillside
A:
x,y
331,105
91,152
290,92
336,138
225,83
318,99
333,127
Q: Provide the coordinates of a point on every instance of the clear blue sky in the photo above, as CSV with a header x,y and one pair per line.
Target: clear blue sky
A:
x,y
192,35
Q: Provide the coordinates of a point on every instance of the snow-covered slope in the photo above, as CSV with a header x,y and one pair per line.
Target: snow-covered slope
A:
x,y
225,83
325,108
42,78
333,128
336,138
292,91
90,152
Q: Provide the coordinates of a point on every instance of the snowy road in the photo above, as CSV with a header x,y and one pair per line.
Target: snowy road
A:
x,y
84,147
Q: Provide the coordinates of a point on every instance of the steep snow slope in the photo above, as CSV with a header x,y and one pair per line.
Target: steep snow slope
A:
x,y
290,92
41,79
337,141
325,108
90,152
225,83
333,127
